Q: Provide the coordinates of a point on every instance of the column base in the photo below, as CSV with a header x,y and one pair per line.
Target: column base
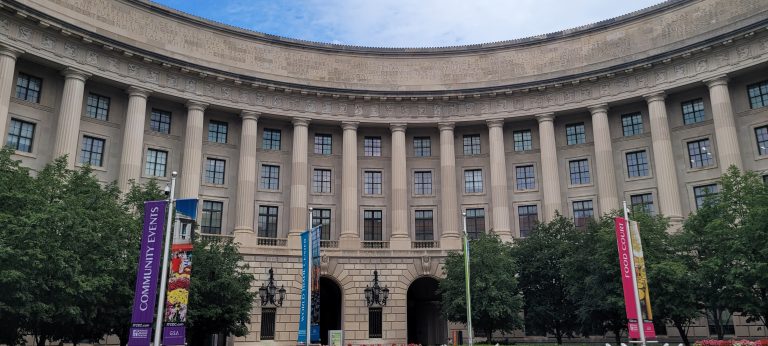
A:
x,y
294,240
349,242
245,238
675,224
504,235
400,242
450,242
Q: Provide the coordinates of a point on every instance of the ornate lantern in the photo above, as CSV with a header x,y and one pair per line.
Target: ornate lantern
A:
x,y
269,293
375,295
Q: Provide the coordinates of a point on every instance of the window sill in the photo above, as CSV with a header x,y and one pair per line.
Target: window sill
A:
x,y
640,178
95,168
161,135
215,186
25,154
578,186
690,169
98,121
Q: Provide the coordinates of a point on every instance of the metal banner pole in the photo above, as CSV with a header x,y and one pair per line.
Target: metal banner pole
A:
x,y
164,275
640,322
466,279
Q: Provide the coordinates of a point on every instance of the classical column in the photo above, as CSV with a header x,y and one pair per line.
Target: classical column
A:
x,y
725,125
8,57
246,175
400,237
299,174
606,173
193,150
449,208
664,159
350,234
68,127
550,175
499,197
133,137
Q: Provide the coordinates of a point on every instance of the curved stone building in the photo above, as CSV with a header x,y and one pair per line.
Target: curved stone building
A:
x,y
387,145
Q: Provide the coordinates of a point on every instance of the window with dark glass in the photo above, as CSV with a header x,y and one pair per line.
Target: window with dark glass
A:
x,y
700,193
20,135
270,177
726,322
28,88
471,144
575,134
579,170
523,140
525,179
473,181
582,212
424,226
642,202
92,152
372,146
156,163
268,323
758,94
422,146
372,225
761,136
700,153
422,183
160,121
267,221
214,171
632,124
528,216
271,139
372,182
97,106
321,181
210,221
322,218
374,323
693,111
637,164
323,144
217,131
475,222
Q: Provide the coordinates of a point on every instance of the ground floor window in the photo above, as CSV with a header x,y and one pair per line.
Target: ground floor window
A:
x,y
374,323
267,323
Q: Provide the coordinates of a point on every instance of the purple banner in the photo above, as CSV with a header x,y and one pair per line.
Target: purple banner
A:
x,y
150,256
173,333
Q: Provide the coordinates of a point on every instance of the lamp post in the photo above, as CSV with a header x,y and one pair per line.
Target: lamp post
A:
x,y
269,294
164,275
466,279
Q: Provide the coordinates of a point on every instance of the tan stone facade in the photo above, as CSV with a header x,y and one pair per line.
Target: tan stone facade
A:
x,y
507,124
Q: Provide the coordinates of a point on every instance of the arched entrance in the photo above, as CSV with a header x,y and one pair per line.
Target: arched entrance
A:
x,y
426,325
330,307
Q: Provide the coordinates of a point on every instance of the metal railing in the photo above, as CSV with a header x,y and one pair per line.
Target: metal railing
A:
x,y
425,244
271,241
374,244
329,244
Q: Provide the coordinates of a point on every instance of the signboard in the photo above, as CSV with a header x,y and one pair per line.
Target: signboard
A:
x,y
177,297
315,325
623,239
302,337
335,338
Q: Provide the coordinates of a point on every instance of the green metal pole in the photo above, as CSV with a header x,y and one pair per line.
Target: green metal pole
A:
x,y
466,280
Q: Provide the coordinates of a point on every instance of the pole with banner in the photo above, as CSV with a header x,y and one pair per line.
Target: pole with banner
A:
x,y
304,318
164,276
466,279
314,329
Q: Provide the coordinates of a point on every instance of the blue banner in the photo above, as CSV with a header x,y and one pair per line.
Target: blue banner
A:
x,y
314,330
302,339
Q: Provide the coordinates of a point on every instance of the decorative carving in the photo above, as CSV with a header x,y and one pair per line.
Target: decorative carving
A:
x,y
133,70
70,50
48,42
91,58
426,265
25,34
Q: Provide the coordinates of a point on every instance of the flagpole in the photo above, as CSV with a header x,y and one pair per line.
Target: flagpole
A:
x,y
640,321
309,277
164,275
466,279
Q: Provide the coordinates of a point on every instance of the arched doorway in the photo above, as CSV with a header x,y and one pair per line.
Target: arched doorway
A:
x,y
426,325
330,307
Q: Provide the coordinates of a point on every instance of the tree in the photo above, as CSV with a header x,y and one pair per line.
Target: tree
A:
x,y
541,259
753,235
496,300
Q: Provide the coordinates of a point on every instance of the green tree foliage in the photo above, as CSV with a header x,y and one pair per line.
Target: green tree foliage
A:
x,y
496,300
753,244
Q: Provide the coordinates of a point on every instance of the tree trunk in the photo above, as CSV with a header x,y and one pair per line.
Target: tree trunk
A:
x,y
559,337
40,340
718,324
683,333
617,335
489,335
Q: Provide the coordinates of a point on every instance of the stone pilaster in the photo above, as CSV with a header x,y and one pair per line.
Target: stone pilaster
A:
x,y
663,158
68,127
246,179
499,197
350,234
400,237
550,175
725,125
449,208
299,176
606,173
133,137
193,150
8,57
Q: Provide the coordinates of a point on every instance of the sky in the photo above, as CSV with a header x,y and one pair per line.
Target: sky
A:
x,y
407,23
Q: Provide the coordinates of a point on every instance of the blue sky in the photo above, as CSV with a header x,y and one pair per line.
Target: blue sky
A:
x,y
407,23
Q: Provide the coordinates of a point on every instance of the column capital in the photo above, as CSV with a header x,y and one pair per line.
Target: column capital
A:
x,y
717,80
249,115
397,127
136,91
196,105
71,72
657,96
349,125
545,117
598,108
10,51
446,126
299,121
495,123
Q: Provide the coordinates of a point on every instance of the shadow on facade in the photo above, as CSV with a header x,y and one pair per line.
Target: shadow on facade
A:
x,y
426,326
330,307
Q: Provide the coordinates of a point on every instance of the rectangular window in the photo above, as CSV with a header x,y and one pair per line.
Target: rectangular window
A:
x,y
471,144
374,323
214,171
28,88
92,152
424,226
217,131
726,322
372,182
475,222
761,136
321,181
422,146
473,181
322,218
758,94
523,140
632,124
579,171
700,153
372,146
637,164
700,193
575,134
270,139
693,111
323,144
160,121
211,218
525,179
528,216
20,135
372,225
582,212
268,323
642,202
156,163
270,177
97,106
422,183
267,221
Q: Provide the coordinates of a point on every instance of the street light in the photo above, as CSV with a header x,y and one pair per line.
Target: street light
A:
x,y
269,294
376,296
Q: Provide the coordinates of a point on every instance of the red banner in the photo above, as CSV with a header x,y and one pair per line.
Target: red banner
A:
x,y
625,264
